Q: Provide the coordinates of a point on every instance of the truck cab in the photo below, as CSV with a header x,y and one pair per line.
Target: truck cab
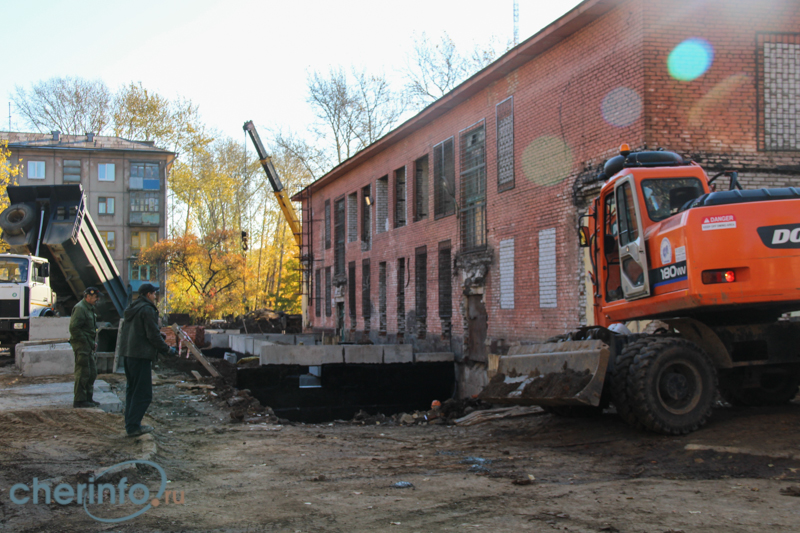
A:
x,y
24,293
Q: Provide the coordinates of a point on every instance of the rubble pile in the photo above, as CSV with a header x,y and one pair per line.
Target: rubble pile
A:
x,y
440,414
265,321
196,333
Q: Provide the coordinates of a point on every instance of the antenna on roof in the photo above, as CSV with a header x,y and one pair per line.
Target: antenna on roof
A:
x,y
516,22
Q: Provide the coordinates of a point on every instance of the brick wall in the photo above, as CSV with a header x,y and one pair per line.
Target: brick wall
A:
x,y
573,105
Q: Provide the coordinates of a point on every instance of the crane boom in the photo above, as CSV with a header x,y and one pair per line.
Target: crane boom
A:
x,y
275,182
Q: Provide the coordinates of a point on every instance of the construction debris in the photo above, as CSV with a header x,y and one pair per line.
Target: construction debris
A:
x,y
265,321
479,417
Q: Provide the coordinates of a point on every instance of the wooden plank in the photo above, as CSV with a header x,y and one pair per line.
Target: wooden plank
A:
x,y
197,375
192,348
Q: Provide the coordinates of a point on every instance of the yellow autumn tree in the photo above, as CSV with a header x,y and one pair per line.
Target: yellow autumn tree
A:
x,y
8,173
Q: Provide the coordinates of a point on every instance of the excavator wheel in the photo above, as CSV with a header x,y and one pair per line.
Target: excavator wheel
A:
x,y
777,388
574,411
619,379
17,219
672,385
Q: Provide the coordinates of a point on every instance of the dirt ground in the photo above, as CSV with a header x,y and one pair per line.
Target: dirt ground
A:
x,y
536,473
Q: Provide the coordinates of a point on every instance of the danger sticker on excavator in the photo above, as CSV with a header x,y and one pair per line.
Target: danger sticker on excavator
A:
x,y
719,222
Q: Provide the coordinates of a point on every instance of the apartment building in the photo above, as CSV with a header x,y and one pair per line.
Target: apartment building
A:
x,y
124,183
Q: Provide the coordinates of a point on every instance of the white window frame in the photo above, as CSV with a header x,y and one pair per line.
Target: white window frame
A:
x,y
103,171
109,201
33,167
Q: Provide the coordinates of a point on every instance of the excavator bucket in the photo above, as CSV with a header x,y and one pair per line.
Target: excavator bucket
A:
x,y
558,373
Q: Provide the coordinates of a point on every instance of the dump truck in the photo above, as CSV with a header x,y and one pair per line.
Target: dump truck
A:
x,y
55,253
717,274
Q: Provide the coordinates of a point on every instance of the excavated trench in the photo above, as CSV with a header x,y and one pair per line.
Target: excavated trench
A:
x,y
345,389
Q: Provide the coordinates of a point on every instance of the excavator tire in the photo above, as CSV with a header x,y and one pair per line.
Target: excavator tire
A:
x,y
574,411
17,219
777,388
672,385
619,379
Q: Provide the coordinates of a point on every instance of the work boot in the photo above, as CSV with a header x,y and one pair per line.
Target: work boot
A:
x,y
141,431
82,405
91,400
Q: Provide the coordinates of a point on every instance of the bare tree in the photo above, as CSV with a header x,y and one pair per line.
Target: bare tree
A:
x,y
352,114
378,107
434,69
70,105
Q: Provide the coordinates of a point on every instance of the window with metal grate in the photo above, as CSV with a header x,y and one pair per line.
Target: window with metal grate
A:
x,y
473,188
505,144
327,224
421,188
328,294
444,179
317,293
421,289
338,237
400,197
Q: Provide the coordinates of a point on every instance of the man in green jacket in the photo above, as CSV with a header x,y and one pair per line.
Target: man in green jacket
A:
x,y
82,331
139,345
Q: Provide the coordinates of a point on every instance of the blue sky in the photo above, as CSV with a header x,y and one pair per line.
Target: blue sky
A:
x,y
238,59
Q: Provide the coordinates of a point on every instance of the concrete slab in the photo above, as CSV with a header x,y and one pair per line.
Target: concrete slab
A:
x,y
42,328
279,338
56,395
45,359
363,354
237,343
306,340
301,355
217,340
257,344
434,357
398,353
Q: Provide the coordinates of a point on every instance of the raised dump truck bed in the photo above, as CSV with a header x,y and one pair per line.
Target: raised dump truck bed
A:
x,y
52,221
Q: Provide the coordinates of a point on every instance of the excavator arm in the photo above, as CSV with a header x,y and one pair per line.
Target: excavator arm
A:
x,y
275,182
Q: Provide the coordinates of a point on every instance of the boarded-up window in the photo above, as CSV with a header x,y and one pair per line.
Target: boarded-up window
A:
x,y
327,224
444,179
401,295
338,237
72,170
779,91
421,188
473,188
351,291
445,288
328,294
400,197
421,289
318,294
382,205
366,304
548,296
505,144
352,217
382,298
507,274
366,220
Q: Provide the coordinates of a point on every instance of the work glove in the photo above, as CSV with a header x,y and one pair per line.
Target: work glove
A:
x,y
173,351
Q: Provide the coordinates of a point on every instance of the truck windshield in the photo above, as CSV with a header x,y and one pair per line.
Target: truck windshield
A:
x,y
664,197
13,270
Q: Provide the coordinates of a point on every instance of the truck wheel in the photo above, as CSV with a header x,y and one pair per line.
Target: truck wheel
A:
x,y
777,388
619,380
672,385
574,411
17,219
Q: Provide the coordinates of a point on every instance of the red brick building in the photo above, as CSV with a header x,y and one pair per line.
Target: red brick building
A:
x,y
457,230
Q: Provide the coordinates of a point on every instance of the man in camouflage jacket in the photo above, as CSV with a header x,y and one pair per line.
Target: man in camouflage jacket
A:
x,y
82,331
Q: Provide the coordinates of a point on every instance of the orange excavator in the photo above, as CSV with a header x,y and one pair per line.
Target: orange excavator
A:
x,y
717,273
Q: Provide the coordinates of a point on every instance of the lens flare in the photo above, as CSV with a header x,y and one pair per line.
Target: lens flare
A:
x,y
621,107
690,59
547,161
